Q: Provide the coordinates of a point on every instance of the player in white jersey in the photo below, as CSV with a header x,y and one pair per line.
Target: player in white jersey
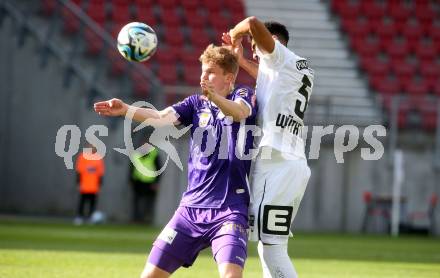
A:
x,y
283,86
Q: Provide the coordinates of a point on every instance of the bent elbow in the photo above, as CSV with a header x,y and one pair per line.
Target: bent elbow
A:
x,y
252,20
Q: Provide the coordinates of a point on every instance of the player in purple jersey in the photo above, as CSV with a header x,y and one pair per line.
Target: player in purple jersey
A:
x,y
214,209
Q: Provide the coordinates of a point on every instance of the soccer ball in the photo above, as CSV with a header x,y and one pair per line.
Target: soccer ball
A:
x,y
137,42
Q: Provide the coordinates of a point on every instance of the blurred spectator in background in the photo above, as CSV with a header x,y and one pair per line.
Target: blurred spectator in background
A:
x,y
90,170
144,186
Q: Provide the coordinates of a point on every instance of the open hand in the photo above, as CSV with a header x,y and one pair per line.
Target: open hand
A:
x,y
236,48
112,107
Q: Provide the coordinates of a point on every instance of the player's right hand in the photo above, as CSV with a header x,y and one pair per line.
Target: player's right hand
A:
x,y
237,49
112,107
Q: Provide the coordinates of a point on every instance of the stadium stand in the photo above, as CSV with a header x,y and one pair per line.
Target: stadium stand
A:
x,y
184,29
398,46
340,96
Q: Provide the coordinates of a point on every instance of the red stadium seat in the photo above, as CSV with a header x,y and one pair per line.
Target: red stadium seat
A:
x,y
97,13
48,7
347,9
118,63
199,38
403,70
143,4
145,14
220,23
174,37
141,86
366,46
167,74
398,11
190,57
121,2
387,85
170,18
190,4
167,55
428,112
356,27
437,89
245,79
121,13
430,69
235,7
384,29
94,43
416,86
213,7
70,22
413,31
375,66
373,10
425,13
195,19
191,75
167,4
429,120
434,32
97,2
426,50
397,48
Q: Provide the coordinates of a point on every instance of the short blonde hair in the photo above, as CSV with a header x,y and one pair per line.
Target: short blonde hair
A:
x,y
221,56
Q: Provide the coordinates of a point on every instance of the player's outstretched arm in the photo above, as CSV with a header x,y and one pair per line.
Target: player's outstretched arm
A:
x,y
249,66
116,107
254,27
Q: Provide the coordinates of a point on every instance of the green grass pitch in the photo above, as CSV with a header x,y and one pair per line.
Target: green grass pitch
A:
x,y
49,250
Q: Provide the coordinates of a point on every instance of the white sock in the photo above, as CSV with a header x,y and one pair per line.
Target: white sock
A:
x,y
275,261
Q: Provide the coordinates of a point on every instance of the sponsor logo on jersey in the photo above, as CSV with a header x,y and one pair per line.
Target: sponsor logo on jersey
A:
x,y
168,235
302,64
240,191
204,118
277,219
240,259
232,227
288,122
243,92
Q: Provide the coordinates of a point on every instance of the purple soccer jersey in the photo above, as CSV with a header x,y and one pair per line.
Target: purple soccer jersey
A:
x,y
213,211
216,176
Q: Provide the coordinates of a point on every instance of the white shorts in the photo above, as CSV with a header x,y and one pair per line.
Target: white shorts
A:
x,y
277,187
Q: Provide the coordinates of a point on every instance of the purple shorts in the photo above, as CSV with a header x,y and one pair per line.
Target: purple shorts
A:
x,y
191,230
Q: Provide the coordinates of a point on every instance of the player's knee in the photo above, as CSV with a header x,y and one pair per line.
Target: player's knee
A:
x,y
151,271
230,270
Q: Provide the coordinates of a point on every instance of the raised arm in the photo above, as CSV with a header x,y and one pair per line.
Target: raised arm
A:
x,y
249,66
116,107
254,27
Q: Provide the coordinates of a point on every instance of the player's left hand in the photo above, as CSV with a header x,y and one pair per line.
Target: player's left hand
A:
x,y
237,49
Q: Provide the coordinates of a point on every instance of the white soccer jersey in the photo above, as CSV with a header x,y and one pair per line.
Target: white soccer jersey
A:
x,y
284,85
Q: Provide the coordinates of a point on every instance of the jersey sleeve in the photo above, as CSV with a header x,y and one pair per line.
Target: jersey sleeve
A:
x,y
278,56
246,95
185,110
